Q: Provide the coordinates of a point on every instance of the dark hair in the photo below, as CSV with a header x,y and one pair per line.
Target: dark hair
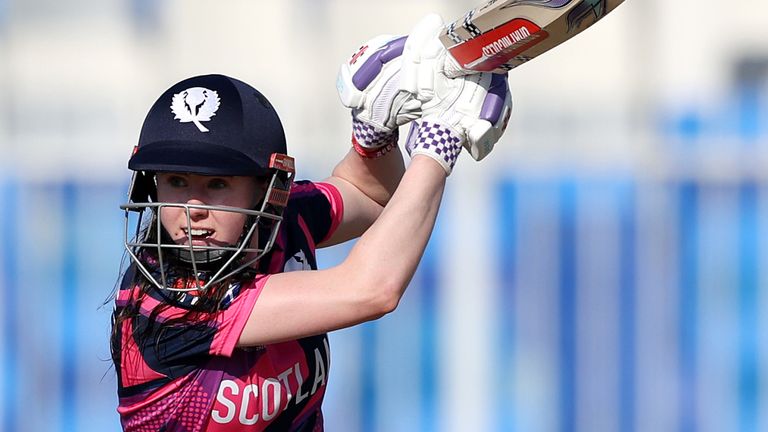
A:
x,y
208,304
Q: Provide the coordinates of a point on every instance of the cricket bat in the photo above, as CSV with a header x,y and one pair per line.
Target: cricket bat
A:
x,y
504,34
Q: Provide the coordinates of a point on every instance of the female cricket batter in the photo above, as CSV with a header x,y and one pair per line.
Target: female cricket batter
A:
x,y
220,321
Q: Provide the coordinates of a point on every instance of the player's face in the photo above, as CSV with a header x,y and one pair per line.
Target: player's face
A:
x,y
209,227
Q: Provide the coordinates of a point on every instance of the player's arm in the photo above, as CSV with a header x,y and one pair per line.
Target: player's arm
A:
x,y
366,185
389,82
368,175
371,280
368,283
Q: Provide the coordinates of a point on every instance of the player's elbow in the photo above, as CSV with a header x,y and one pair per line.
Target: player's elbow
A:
x,y
381,297
390,298
376,286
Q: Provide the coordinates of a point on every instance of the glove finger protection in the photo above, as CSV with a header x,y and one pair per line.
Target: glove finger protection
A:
x,y
368,84
485,130
475,107
470,111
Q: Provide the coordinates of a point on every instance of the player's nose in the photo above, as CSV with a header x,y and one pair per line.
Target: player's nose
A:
x,y
196,213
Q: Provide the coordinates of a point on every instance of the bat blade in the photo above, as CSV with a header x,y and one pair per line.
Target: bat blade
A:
x,y
503,34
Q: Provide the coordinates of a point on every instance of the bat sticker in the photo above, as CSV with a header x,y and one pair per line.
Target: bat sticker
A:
x,y
503,34
553,4
583,10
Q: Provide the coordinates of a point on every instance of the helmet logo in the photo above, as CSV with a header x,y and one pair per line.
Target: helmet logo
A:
x,y
196,104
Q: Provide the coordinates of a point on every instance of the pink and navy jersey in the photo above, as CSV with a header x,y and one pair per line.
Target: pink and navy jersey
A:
x,y
192,377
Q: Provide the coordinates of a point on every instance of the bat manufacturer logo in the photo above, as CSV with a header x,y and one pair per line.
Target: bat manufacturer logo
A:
x,y
195,105
514,37
494,48
504,34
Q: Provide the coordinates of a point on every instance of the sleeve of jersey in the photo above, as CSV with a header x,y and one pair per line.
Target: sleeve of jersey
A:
x,y
320,207
180,345
230,323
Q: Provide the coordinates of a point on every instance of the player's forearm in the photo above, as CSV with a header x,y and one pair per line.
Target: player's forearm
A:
x,y
377,178
370,281
388,254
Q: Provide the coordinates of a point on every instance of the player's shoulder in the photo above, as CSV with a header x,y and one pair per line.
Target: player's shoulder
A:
x,y
306,194
308,188
314,210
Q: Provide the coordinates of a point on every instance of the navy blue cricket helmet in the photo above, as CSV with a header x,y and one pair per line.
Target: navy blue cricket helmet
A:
x,y
208,125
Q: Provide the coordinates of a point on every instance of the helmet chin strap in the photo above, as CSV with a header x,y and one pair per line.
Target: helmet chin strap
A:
x,y
204,260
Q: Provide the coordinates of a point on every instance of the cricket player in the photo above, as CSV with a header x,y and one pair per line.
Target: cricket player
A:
x,y
221,319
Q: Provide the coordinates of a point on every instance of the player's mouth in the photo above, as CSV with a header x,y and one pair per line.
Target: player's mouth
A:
x,y
198,236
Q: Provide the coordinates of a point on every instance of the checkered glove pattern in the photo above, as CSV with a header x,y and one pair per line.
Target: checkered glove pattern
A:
x,y
371,142
437,140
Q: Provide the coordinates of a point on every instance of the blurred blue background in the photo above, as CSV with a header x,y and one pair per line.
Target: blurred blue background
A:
x,y
600,271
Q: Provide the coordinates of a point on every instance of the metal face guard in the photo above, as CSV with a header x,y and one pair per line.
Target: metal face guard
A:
x,y
233,253
237,256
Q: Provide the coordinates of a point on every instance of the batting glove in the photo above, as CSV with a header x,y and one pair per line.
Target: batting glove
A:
x,y
475,118
391,81
476,107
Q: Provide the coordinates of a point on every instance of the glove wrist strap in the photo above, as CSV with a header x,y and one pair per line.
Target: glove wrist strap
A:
x,y
370,142
435,140
373,153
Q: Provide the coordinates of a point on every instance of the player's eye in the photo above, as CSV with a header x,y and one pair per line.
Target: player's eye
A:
x,y
217,184
176,181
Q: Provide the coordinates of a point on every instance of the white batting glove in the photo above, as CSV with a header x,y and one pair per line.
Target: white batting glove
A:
x,y
476,108
392,80
473,114
368,84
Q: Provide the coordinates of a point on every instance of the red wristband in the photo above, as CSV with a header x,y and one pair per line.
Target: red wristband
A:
x,y
373,153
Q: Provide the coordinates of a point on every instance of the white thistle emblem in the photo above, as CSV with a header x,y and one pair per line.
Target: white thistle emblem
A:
x,y
196,104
